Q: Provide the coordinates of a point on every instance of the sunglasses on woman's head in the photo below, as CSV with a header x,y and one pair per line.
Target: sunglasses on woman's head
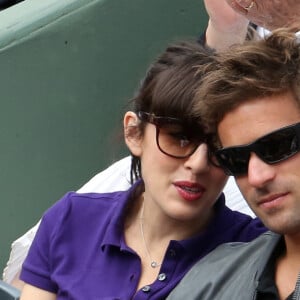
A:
x,y
173,137
272,148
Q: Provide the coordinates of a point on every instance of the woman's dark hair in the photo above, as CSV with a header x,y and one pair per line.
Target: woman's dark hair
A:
x,y
170,86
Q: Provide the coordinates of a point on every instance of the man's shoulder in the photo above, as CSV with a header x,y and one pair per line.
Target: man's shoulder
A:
x,y
236,253
265,240
227,272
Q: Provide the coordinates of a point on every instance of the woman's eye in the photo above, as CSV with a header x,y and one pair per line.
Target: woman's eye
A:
x,y
181,137
184,143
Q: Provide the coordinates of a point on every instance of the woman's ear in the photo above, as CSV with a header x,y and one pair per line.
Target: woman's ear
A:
x,y
132,134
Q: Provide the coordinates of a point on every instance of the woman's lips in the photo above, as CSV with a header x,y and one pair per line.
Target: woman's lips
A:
x,y
189,191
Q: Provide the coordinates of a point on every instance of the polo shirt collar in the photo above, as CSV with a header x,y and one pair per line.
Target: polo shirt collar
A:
x,y
114,233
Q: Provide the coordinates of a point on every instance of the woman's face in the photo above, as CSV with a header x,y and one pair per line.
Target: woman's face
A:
x,y
181,189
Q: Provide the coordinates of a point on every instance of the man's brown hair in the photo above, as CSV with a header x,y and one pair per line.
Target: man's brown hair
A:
x,y
254,69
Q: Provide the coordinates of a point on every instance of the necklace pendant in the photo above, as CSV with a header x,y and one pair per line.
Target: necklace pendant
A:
x,y
154,264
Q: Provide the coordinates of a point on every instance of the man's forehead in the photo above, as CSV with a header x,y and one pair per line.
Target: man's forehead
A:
x,y
257,117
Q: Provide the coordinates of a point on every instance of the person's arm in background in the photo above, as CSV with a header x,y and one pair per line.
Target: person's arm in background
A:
x,y
269,14
229,19
225,26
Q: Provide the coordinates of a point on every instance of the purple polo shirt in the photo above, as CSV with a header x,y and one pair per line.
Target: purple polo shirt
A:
x,y
79,251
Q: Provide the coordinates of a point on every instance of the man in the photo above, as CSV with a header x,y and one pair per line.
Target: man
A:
x,y
252,107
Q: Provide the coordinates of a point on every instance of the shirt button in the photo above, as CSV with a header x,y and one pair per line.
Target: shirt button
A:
x,y
146,289
172,253
162,277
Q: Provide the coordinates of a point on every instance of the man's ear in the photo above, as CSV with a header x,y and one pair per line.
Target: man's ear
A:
x,y
133,137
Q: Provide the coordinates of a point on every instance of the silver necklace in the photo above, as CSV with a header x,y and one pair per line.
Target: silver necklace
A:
x,y
154,264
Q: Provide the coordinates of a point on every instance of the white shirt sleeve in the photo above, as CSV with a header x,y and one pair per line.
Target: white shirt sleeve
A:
x,y
115,178
234,198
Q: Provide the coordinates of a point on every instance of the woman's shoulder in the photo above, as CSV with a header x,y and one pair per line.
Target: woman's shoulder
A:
x,y
79,208
84,203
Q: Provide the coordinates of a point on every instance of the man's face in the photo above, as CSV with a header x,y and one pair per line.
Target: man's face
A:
x,y
271,190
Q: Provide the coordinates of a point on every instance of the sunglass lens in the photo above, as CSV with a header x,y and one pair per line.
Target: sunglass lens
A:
x,y
278,146
234,160
174,140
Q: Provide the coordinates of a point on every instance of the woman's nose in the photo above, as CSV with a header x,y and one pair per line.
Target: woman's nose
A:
x,y
198,161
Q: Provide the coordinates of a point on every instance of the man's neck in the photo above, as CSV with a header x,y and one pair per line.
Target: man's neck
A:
x,y
292,244
288,266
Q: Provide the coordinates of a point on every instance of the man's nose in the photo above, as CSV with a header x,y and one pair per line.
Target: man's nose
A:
x,y
259,172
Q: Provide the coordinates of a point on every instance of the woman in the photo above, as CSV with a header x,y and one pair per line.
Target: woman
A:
x,y
138,244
